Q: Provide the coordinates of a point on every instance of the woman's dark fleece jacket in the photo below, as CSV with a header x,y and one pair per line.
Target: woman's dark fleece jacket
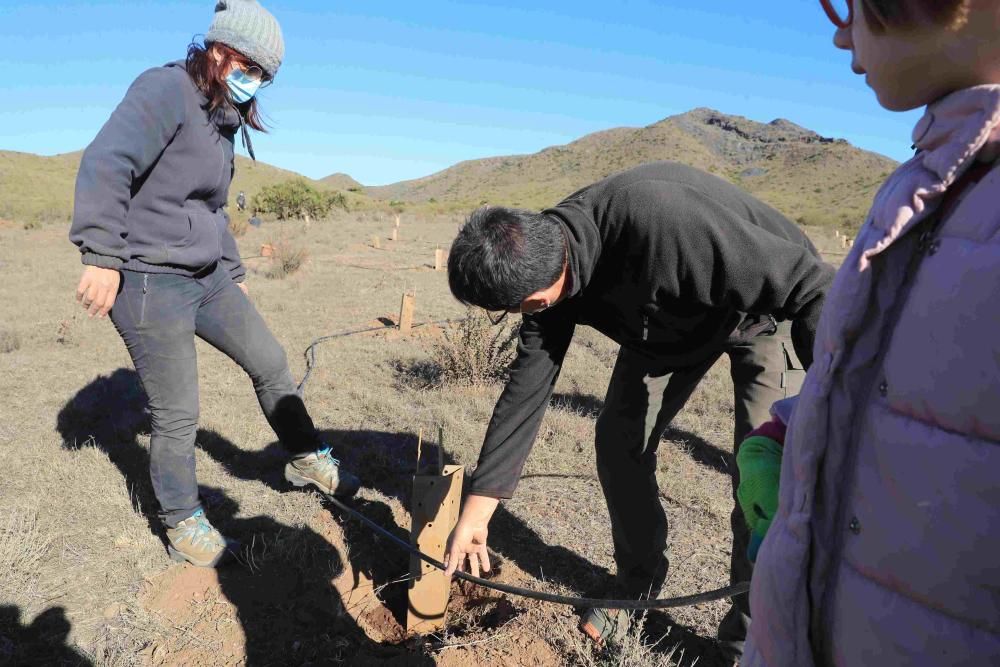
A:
x,y
152,185
668,261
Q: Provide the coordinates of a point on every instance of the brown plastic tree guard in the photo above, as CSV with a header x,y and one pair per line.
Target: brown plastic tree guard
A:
x,y
435,505
406,308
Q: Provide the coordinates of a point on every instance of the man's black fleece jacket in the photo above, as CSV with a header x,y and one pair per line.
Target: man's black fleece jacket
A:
x,y
668,261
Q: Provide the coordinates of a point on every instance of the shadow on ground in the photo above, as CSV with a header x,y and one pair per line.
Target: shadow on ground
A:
x,y
280,580
42,642
288,609
701,450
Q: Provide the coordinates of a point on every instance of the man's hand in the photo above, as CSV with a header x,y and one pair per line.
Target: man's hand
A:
x,y
243,286
468,539
98,290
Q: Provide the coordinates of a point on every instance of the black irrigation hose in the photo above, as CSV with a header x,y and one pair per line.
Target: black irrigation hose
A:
x,y
310,353
600,603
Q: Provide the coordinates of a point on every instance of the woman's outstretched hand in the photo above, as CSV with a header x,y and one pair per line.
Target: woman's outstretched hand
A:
x,y
98,290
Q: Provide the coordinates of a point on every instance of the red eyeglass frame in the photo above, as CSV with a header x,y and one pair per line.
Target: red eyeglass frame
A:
x,y
835,18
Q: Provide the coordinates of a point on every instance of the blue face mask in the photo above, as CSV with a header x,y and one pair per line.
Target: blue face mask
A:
x,y
241,87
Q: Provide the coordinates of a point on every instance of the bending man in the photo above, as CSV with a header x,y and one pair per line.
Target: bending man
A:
x,y
678,267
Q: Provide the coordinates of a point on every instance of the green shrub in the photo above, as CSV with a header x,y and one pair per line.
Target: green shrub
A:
x,y
296,199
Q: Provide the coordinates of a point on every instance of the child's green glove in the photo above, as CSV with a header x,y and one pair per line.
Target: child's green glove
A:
x,y
759,462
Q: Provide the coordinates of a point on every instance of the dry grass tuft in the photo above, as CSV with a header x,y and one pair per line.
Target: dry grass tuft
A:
x,y
475,352
636,650
23,547
9,341
238,225
286,260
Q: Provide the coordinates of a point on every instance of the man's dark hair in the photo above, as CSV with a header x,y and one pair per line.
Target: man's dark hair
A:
x,y
503,255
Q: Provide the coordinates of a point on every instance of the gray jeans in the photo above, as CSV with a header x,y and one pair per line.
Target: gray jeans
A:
x,y
158,316
643,397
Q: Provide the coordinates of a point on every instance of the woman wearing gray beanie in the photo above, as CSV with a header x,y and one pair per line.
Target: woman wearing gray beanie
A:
x,y
150,223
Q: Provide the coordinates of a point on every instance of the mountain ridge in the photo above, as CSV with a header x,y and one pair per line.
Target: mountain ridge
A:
x,y
810,177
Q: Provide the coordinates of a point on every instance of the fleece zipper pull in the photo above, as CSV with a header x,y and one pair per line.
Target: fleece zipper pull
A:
x,y
645,327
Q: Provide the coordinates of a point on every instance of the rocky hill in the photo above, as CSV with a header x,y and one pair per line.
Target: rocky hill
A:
x,y
814,179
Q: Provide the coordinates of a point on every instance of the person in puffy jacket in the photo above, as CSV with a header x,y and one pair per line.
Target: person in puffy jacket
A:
x,y
883,546
153,235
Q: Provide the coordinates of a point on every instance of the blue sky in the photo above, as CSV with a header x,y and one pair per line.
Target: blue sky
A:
x,y
388,90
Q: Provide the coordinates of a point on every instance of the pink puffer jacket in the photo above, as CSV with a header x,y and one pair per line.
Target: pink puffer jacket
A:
x,y
886,546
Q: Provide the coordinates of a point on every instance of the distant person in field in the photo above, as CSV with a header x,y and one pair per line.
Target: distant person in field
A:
x,y
680,268
241,201
884,540
152,231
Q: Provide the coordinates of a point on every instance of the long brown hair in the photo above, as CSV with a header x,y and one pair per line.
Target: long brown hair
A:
x,y
209,76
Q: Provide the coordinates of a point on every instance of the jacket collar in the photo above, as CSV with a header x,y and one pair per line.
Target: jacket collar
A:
x,y
583,242
954,132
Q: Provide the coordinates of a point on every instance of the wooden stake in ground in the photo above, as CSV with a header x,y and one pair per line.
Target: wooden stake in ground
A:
x,y
395,234
847,241
376,243
406,308
436,501
397,222
440,260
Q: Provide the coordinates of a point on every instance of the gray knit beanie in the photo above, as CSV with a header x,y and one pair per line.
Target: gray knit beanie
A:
x,y
250,29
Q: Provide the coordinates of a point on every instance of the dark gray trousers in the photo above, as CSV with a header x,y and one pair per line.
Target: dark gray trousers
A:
x,y
158,316
643,397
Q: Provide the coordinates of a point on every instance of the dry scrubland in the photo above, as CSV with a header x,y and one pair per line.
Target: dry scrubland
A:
x,y
84,577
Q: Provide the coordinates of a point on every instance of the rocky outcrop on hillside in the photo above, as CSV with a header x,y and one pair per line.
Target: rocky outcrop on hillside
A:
x,y
742,141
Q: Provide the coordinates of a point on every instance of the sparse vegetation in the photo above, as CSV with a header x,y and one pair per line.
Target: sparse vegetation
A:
x,y
79,439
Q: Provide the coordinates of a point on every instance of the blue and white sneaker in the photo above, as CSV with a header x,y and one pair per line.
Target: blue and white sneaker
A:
x,y
321,470
196,541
